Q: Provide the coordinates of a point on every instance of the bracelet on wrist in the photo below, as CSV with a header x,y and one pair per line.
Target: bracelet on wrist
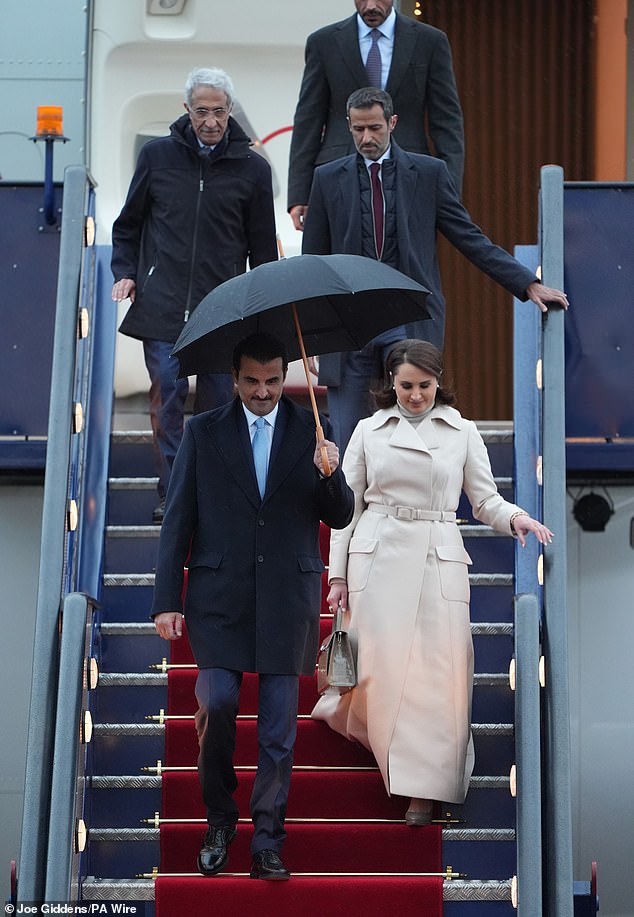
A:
x,y
521,512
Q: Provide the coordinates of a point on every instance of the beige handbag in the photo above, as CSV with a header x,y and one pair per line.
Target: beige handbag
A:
x,y
335,664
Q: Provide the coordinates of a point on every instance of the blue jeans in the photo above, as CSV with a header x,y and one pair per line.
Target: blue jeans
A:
x,y
168,395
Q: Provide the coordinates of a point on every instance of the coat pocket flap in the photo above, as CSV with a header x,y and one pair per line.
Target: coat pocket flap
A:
x,y
309,564
211,559
454,552
362,545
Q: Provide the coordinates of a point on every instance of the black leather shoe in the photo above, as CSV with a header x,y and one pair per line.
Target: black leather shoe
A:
x,y
158,512
267,865
213,854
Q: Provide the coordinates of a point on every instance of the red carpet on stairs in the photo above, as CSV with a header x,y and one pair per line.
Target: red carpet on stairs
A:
x,y
348,847
303,896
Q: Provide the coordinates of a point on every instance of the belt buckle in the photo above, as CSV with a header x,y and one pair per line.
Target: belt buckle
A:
x,y
404,512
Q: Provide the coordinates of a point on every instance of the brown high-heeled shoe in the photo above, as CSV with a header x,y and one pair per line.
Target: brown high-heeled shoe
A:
x,y
420,813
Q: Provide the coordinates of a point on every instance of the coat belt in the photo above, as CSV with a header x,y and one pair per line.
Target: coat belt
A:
x,y
411,513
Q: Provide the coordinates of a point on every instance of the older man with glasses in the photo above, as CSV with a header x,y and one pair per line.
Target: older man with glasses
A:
x,y
199,206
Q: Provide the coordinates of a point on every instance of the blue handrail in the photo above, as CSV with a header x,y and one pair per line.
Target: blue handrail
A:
x,y
528,493
528,756
71,736
540,474
54,544
558,872
71,548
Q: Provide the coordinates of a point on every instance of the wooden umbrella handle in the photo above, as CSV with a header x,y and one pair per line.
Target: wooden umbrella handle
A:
x,y
309,381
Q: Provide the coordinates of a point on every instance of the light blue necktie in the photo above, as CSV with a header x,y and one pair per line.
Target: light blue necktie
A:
x,y
373,65
260,447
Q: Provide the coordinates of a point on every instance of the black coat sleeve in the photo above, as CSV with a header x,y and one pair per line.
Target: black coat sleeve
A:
x,y
310,118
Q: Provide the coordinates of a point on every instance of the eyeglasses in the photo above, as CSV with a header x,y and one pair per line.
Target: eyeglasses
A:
x,y
201,114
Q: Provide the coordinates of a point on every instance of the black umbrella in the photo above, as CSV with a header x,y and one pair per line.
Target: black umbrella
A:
x,y
342,302
315,304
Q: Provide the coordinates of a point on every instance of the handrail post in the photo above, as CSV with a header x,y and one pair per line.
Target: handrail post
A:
x,y
527,343
66,765
40,739
528,756
527,339
559,901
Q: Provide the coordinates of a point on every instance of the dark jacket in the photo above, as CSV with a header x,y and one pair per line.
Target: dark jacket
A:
x,y
190,222
254,583
421,83
426,203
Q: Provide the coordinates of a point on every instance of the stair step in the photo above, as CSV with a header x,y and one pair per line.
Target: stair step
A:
x,y
146,784
467,530
119,437
132,483
96,889
151,782
128,629
147,579
490,435
101,730
128,579
133,531
147,629
150,835
113,729
159,679
496,436
465,890
127,729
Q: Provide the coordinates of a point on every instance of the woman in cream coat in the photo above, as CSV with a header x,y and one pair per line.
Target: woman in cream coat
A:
x,y
400,570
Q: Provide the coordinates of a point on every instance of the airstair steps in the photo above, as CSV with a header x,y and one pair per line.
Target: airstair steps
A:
x,y
459,890
127,694
147,579
449,834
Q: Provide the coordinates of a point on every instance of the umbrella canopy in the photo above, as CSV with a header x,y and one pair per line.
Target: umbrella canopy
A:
x,y
342,302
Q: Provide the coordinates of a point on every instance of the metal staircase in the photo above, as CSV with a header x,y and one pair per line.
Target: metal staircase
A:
x,y
478,838
89,828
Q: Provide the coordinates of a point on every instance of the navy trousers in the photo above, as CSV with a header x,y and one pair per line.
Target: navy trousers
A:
x,y
167,403
218,693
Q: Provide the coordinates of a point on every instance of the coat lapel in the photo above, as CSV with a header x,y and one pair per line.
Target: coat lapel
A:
x,y
424,438
404,45
230,437
403,435
406,196
291,437
406,436
349,194
347,41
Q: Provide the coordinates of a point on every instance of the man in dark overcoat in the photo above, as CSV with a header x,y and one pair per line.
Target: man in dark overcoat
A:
x,y
198,209
254,585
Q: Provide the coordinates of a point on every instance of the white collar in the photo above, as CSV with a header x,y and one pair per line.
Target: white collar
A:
x,y
386,28
386,155
251,417
440,412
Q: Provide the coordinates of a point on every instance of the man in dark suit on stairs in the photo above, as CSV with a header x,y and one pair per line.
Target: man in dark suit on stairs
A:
x,y
375,47
246,497
388,204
